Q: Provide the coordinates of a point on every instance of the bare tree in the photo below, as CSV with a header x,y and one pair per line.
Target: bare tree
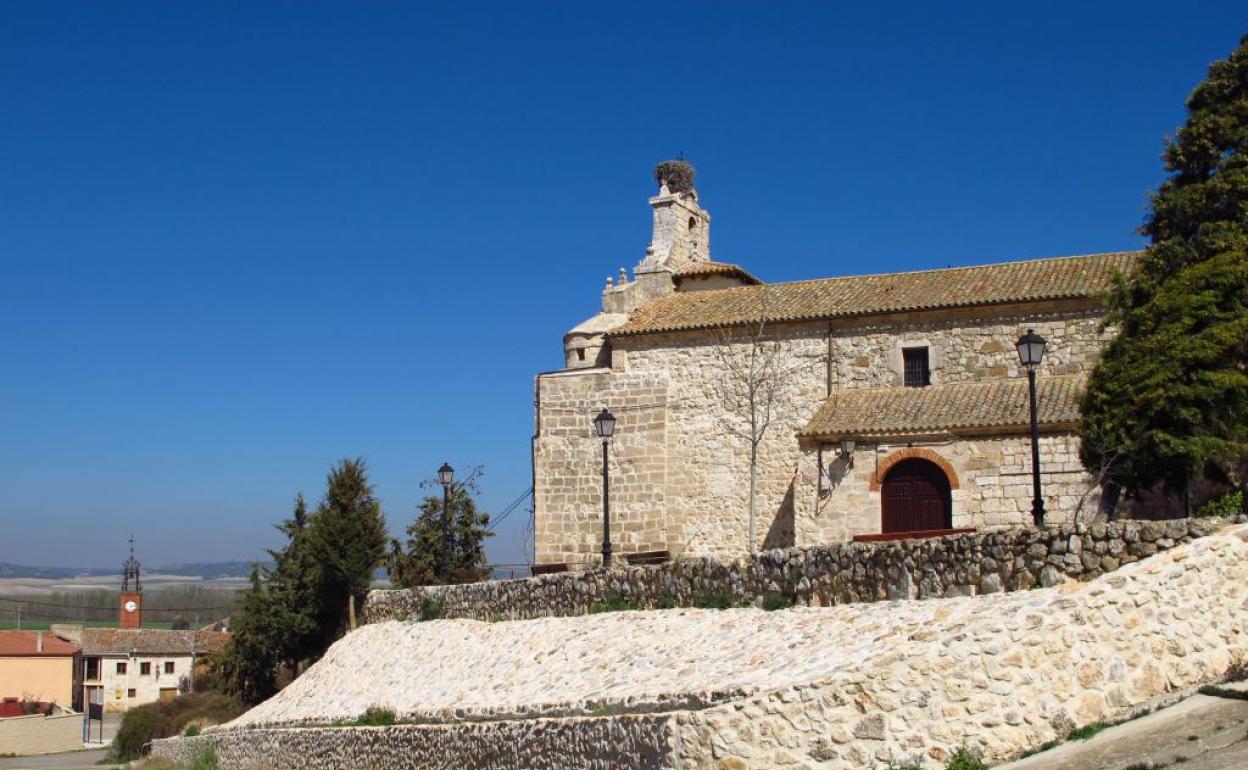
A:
x,y
754,378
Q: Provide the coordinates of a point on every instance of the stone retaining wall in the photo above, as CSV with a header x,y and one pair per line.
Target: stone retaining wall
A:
x,y
622,743
962,565
852,687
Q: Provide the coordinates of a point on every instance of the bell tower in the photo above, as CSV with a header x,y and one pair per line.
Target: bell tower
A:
x,y
131,605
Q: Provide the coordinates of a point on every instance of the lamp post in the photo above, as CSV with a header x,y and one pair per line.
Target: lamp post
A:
x,y
604,426
446,477
1030,353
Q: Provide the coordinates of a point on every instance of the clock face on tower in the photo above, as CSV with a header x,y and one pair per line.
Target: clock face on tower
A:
x,y
130,606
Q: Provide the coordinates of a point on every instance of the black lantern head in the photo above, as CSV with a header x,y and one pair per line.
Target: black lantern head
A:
x,y
604,424
1031,348
446,475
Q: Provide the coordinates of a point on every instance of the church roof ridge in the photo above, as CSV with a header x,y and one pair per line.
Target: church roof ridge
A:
x,y
1049,278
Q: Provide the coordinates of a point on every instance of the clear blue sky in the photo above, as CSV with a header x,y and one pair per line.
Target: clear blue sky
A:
x,y
241,241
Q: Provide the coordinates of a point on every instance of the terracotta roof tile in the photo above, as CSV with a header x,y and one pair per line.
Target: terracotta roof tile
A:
x,y
1028,281
26,644
960,407
705,269
103,641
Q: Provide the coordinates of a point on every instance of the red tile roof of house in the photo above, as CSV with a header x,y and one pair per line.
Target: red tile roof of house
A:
x,y
26,644
150,641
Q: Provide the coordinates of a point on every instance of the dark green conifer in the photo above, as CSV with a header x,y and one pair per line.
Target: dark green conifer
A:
x,y
1168,401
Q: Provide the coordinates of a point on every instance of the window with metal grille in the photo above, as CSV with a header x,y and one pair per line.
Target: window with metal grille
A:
x,y
917,373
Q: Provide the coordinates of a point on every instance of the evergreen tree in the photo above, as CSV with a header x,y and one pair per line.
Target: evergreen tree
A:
x,y
347,540
248,663
292,590
417,565
1169,399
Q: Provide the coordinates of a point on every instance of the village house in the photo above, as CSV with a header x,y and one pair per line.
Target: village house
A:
x,y
130,665
38,667
898,403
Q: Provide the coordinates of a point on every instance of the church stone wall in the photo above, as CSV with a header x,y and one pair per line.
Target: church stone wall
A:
x,y
990,476
680,477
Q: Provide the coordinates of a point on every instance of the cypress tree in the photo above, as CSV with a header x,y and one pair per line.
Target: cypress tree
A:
x,y
1168,402
292,589
347,539
248,663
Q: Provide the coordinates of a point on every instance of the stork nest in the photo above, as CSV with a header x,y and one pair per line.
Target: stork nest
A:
x,y
677,174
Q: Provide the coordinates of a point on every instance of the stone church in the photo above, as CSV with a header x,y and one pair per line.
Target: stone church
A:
x,y
874,404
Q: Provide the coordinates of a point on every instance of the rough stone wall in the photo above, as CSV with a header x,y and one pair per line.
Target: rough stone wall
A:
x,y
38,734
837,573
990,475
1001,677
838,688
680,477
624,743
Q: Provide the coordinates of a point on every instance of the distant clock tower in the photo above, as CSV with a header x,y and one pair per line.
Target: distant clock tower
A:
x,y
131,592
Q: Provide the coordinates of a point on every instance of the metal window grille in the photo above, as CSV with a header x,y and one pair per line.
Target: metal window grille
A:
x,y
917,372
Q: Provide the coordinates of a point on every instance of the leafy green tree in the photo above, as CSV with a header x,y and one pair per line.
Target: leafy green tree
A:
x,y
248,664
1168,401
347,540
417,564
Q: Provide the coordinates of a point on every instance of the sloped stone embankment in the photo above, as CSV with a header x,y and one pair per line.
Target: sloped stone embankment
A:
x,y
850,686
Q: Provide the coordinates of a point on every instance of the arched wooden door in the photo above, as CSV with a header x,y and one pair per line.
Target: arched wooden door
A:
x,y
916,497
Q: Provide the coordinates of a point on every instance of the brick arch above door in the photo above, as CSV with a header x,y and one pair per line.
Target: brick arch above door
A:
x,y
908,453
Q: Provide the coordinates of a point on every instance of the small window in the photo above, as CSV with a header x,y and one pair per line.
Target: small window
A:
x,y
121,667
145,669
130,693
693,223
580,354
168,666
917,372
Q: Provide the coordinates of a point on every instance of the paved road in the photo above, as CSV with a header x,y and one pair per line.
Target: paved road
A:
x,y
70,760
1200,733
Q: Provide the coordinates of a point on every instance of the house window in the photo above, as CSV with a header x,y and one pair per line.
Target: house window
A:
x,y
917,371
145,669
168,666
121,667
93,668
130,693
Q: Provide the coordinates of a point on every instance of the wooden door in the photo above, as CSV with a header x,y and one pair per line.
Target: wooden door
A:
x,y
916,497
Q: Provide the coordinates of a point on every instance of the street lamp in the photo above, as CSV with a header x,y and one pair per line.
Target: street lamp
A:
x,y
604,426
1030,353
446,477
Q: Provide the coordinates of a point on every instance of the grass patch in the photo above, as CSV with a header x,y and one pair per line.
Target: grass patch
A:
x,y
776,601
1222,692
204,758
1087,731
714,600
613,602
432,609
963,759
376,716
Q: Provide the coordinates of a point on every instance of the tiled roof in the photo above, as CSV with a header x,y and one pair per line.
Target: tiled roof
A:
x,y
27,644
707,269
150,641
1030,281
962,407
